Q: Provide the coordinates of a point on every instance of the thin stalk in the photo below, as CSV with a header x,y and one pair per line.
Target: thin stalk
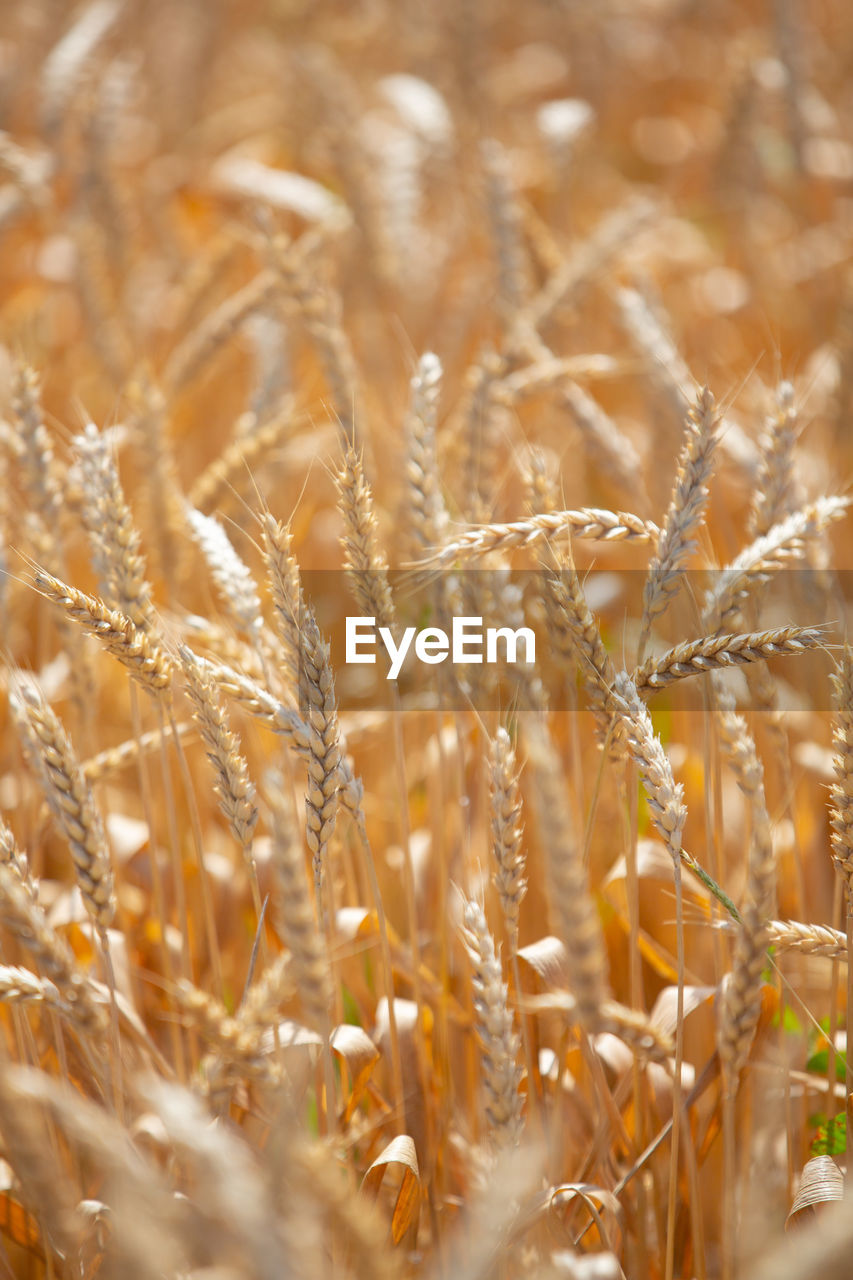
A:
x,y
198,845
676,1084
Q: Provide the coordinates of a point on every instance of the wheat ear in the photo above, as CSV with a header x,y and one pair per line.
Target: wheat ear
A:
x,y
685,512
13,858
426,515
286,590
69,797
73,806
295,921
786,541
741,1002
607,445
587,522
241,457
841,812
773,495
575,913
507,829
320,310
575,637
136,649
367,568
498,1039
26,921
202,343
606,240
231,575
235,789
115,540
317,693
505,220
807,939
36,459
714,653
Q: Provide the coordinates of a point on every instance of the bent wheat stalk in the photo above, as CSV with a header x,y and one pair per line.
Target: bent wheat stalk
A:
x,y
586,522
713,653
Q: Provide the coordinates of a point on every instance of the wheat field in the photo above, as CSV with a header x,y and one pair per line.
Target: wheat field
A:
x,y
391,315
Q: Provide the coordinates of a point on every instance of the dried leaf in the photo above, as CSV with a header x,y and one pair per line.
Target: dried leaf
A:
x,y
400,1152
355,1048
547,958
821,1182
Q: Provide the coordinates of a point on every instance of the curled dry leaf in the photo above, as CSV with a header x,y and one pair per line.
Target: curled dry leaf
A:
x,y
401,1153
821,1182
357,1051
